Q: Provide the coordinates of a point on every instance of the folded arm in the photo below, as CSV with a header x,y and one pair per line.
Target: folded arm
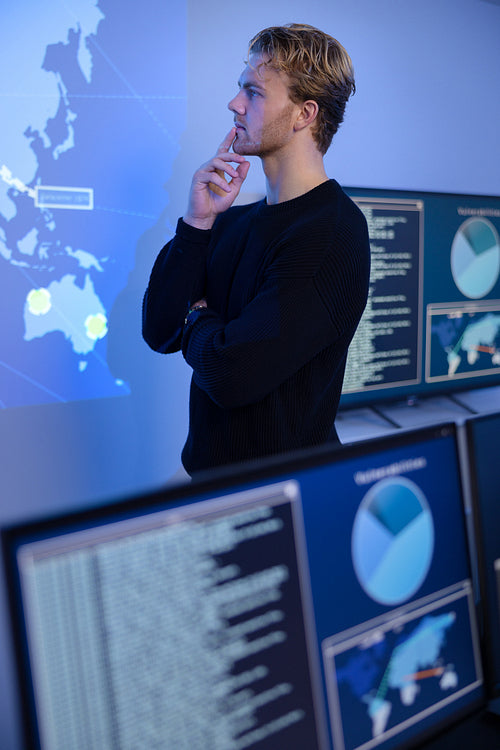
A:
x,y
176,282
241,362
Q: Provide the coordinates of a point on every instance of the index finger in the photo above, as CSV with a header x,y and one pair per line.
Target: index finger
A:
x,y
227,142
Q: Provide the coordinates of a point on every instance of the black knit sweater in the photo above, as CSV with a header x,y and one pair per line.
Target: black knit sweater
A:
x,y
285,287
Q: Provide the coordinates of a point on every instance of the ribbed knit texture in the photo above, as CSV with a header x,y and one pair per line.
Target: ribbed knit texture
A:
x,y
285,286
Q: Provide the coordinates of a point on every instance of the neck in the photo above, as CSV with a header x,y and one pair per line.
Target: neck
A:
x,y
289,176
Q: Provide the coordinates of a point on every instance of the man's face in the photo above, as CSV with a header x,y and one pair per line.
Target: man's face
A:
x,y
263,111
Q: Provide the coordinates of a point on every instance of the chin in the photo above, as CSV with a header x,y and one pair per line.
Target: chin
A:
x,y
245,148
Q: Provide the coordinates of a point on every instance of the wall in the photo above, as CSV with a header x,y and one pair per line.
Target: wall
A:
x,y
129,99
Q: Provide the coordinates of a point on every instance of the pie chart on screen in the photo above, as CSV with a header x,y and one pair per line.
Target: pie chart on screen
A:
x,y
392,540
475,257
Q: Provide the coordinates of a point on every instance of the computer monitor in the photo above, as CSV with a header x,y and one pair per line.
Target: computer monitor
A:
x,y
322,600
180,622
432,321
483,439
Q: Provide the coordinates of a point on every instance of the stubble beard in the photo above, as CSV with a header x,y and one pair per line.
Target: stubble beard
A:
x,y
272,138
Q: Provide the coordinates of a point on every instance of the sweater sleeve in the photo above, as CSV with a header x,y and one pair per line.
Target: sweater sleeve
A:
x,y
178,279
289,321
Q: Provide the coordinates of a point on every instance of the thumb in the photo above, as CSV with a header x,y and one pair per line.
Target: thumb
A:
x,y
242,170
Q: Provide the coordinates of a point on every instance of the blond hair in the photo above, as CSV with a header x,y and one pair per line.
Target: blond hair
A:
x,y
318,68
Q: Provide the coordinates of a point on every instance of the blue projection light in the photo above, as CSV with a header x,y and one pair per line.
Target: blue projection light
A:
x,y
88,143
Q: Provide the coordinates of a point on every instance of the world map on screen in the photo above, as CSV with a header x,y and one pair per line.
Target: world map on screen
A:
x,y
389,679
90,124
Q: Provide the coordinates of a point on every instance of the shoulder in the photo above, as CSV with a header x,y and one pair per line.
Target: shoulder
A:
x,y
324,226
326,214
336,207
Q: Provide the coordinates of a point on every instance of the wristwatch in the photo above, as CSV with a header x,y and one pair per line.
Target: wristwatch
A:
x,y
191,310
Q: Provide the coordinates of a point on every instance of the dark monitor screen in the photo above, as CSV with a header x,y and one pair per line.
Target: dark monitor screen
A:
x,y
483,440
322,601
432,321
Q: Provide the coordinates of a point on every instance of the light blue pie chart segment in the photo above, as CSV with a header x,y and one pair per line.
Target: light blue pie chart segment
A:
x,y
475,257
392,540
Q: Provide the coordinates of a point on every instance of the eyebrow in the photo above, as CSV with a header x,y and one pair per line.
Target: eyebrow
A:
x,y
250,85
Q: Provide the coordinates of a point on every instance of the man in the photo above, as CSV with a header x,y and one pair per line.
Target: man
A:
x,y
264,298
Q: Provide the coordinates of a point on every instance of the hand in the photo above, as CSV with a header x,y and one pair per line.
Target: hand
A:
x,y
204,203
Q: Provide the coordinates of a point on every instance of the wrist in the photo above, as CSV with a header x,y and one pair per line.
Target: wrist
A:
x,y
199,223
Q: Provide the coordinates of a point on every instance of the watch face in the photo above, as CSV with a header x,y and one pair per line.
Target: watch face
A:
x,y
193,313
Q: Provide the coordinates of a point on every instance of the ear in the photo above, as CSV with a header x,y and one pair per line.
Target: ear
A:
x,y
307,114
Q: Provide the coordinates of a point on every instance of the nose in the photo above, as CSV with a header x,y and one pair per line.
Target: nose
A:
x,y
236,104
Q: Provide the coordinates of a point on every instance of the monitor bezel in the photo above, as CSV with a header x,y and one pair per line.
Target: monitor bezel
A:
x,y
492,684
238,476
396,394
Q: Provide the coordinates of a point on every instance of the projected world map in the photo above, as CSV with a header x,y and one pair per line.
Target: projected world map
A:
x,y
88,138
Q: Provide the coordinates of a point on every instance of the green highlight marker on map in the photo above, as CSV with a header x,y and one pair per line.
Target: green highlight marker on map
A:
x,y
39,301
96,326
